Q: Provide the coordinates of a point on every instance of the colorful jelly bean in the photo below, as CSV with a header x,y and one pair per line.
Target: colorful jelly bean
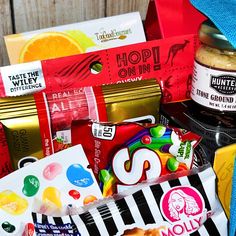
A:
x,y
31,185
146,139
89,199
75,194
104,175
172,164
9,228
52,170
158,131
12,203
78,176
52,195
29,230
165,148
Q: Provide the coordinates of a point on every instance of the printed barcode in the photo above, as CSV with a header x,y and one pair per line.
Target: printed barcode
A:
x,y
100,133
95,131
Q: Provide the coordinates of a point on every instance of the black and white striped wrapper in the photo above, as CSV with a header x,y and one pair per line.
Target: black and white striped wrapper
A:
x,y
184,206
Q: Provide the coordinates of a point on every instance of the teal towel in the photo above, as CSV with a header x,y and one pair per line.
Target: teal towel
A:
x,y
222,13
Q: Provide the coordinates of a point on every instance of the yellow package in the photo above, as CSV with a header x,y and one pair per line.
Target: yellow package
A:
x,y
223,166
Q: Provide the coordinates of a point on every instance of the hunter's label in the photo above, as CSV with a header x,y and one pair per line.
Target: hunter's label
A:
x,y
21,79
214,88
225,84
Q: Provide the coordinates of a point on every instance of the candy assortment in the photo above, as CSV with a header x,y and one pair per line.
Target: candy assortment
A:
x,y
104,142
40,125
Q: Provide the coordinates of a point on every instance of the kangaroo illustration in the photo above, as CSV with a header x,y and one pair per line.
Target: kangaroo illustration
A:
x,y
174,49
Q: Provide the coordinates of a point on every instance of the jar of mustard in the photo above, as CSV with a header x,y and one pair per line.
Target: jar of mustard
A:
x,y
214,75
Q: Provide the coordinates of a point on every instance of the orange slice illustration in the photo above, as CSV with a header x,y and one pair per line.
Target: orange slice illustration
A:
x,y
49,45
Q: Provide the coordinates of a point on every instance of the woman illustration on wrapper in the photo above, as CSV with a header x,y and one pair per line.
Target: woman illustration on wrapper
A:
x,y
181,205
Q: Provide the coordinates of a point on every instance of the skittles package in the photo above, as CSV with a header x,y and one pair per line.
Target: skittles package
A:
x,y
123,154
182,206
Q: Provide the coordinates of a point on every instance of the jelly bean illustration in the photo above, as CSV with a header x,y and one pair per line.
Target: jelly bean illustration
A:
x,y
52,195
52,170
75,194
158,131
31,185
78,176
89,199
172,164
12,203
146,139
157,137
165,148
104,175
29,230
9,228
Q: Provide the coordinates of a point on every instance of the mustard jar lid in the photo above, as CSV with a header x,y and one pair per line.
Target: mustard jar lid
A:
x,y
211,36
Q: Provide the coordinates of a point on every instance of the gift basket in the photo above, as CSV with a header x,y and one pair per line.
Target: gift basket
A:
x,y
116,126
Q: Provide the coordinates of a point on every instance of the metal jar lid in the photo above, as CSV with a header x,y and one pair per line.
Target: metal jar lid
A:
x,y
211,36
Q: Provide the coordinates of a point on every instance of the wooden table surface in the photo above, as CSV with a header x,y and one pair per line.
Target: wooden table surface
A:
x,y
18,16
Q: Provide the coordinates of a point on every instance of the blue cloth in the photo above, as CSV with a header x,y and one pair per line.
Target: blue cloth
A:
x,y
232,230
222,13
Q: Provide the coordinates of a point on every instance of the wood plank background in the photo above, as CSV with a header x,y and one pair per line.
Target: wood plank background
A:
x,y
24,15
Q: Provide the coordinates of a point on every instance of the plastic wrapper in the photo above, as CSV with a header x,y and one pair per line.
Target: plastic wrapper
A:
x,y
182,206
49,186
124,154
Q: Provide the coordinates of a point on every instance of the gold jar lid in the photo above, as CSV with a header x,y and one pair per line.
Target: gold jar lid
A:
x,y
211,36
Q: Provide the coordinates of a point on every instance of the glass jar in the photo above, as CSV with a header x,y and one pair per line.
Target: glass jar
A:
x,y
214,76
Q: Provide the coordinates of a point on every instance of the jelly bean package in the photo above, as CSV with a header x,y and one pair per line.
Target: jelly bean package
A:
x,y
48,185
182,206
124,154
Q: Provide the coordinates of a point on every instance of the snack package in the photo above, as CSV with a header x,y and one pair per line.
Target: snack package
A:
x,y
223,166
123,154
39,126
71,39
216,130
178,207
49,185
169,60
